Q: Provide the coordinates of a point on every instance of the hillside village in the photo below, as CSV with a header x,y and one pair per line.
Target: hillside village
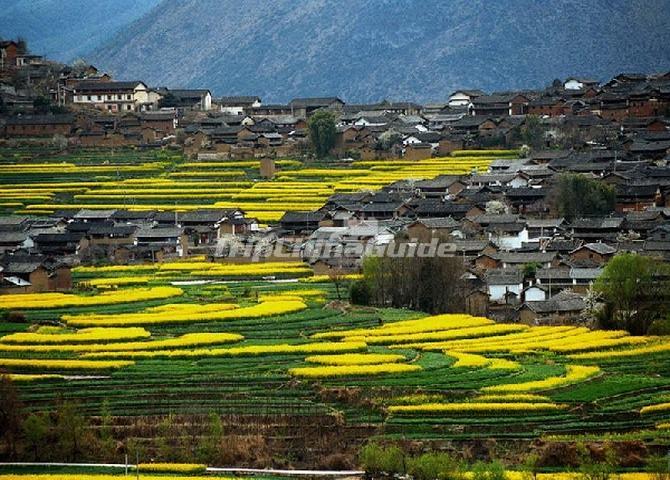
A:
x,y
524,260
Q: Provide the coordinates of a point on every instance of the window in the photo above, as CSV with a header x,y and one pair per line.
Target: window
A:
x,y
109,97
128,107
88,98
120,97
130,97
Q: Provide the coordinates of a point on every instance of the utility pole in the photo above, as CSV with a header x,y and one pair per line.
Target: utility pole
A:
x,y
137,464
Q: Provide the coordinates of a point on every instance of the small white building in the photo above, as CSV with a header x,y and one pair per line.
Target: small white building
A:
x,y
501,283
463,98
238,105
574,83
534,293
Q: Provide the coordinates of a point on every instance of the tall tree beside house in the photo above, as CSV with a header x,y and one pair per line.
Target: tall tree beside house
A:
x,y
635,290
533,133
430,284
578,196
322,132
388,139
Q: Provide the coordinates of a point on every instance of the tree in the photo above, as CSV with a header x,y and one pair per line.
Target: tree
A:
x,y
488,471
495,207
359,292
209,447
377,459
533,133
530,468
590,469
431,284
337,277
388,139
434,465
70,427
106,437
635,290
322,132
42,105
35,430
576,196
10,413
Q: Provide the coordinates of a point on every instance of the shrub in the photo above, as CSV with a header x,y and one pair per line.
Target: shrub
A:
x,y
431,466
488,471
377,459
660,327
359,293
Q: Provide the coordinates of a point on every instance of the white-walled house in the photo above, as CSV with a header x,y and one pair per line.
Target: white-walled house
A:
x,y
129,96
500,283
238,105
508,236
534,293
463,98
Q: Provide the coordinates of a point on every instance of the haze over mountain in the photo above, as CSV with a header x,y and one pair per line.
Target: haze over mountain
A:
x,y
66,29
367,51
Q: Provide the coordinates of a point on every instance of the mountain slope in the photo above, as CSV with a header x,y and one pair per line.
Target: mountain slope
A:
x,y
66,29
366,51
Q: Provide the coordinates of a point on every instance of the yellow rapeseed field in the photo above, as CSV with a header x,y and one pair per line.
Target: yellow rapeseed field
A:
x,y
85,335
60,300
573,374
353,370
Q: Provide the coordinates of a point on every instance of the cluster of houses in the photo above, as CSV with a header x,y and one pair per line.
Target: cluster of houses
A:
x,y
631,109
51,245
523,261
521,258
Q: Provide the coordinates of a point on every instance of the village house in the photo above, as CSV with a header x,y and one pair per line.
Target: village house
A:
x,y
425,229
39,125
186,99
504,285
9,50
114,97
300,224
11,241
564,308
593,253
507,236
33,274
239,105
577,279
464,98
500,105
163,122
596,228
60,244
304,107
206,226
156,244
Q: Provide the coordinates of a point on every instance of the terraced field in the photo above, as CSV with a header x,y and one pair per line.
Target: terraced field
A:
x,y
248,348
36,183
281,358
